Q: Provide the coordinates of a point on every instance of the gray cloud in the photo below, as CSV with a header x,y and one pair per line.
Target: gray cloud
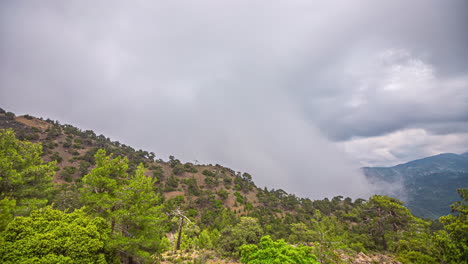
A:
x,y
273,88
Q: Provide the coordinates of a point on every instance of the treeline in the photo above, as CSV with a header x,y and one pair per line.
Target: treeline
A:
x,y
115,212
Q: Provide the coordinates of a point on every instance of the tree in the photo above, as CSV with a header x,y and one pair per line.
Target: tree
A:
x,y
300,233
385,219
52,236
327,230
247,231
276,252
24,177
139,217
101,186
129,203
453,241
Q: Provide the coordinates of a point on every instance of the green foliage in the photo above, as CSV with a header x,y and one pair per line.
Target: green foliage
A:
x,y
415,245
207,239
327,230
300,233
192,186
158,172
416,257
247,231
208,173
188,167
101,186
10,115
385,219
239,198
129,203
171,184
55,156
118,191
67,198
138,218
178,169
83,168
24,177
270,252
453,241
223,194
7,208
51,236
67,173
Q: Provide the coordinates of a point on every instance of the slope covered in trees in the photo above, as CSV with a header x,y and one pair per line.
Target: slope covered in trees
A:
x,y
428,186
74,197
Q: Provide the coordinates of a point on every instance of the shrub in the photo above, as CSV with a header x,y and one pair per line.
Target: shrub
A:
x,y
10,115
52,236
279,251
223,194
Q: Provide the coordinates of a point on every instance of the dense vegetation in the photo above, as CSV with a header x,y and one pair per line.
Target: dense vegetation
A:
x,y
74,197
427,186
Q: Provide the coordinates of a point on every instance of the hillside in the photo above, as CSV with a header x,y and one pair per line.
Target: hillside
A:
x,y
74,149
428,185
143,209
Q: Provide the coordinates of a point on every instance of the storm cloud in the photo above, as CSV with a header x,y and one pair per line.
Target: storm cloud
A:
x,y
298,93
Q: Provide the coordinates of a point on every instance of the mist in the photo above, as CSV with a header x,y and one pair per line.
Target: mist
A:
x,y
287,91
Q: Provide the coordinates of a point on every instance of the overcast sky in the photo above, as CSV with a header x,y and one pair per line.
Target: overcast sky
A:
x,y
298,93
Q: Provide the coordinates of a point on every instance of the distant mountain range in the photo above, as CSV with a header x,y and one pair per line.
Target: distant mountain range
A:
x,y
427,186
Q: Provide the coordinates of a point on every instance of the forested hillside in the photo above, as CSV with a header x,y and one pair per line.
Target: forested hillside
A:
x,y
427,186
71,196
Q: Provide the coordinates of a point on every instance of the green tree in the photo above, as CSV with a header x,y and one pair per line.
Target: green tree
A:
x,y
24,177
7,208
205,239
300,233
52,236
247,231
452,243
327,230
415,245
129,203
139,218
385,220
100,192
276,252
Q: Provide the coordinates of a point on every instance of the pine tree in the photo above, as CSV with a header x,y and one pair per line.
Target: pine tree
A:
x,y
25,180
129,203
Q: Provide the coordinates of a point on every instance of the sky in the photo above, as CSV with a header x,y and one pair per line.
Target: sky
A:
x,y
298,93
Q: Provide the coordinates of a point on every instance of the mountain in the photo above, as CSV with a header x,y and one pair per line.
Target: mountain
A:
x,y
224,209
427,186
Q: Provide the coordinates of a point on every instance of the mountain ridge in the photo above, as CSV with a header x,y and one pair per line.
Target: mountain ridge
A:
x,y
428,185
74,150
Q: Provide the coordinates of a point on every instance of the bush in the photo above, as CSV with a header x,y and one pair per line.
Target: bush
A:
x,y
247,231
67,173
52,236
270,251
56,156
178,169
10,115
67,144
207,173
223,194
171,184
